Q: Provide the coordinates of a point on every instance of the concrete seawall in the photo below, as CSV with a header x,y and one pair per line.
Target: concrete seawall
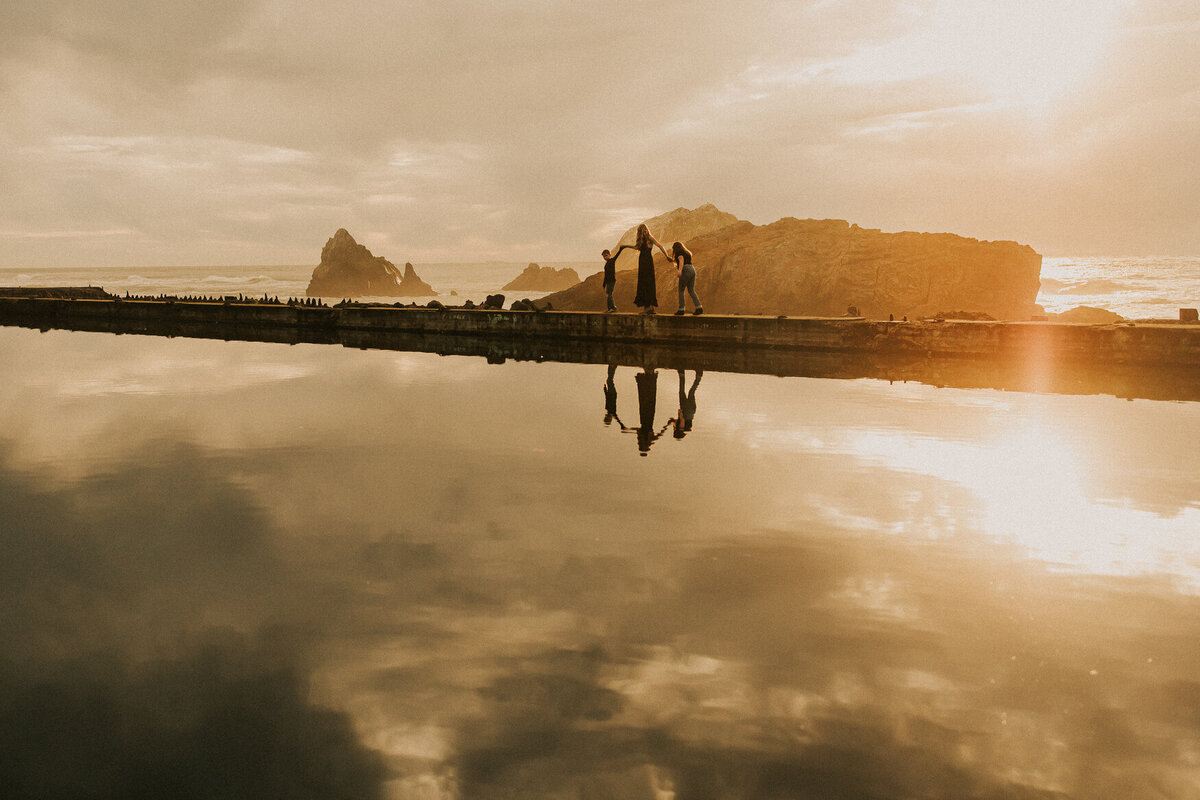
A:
x,y
1144,361
1123,343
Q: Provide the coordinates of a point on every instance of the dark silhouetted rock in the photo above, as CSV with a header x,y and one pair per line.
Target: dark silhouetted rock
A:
x,y
493,302
412,286
348,269
1087,314
971,315
817,267
543,279
529,305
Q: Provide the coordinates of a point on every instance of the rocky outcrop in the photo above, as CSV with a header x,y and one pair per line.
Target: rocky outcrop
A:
x,y
413,286
542,279
820,267
1088,314
348,269
680,225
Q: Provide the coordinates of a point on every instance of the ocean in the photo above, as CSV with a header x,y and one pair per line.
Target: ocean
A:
x,y
454,282
1136,288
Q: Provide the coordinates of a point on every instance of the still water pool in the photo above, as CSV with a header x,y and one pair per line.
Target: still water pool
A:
x,y
231,569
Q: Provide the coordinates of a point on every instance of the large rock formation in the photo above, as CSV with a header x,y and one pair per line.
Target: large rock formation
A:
x,y
348,269
822,267
542,279
680,225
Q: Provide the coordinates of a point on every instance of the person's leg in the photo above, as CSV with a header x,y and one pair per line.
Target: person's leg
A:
x,y
609,291
681,285
688,279
690,272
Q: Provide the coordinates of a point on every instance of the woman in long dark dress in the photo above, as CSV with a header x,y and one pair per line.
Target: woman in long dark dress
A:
x,y
647,294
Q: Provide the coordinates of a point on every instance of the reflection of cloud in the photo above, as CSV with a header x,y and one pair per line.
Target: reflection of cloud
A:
x,y
214,724
577,621
773,685
97,582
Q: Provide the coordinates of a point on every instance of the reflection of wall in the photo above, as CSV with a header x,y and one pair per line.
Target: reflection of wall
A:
x,y
1035,370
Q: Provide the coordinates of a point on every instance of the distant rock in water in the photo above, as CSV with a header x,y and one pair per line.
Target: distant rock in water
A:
x,y
412,286
819,267
542,279
348,269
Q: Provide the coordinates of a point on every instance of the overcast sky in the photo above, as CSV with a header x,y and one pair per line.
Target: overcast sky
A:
x,y
137,132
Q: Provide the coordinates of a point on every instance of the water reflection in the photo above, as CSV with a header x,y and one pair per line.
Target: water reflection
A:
x,y
317,572
648,431
687,404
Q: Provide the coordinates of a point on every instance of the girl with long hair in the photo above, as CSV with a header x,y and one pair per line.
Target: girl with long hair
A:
x,y
647,293
682,258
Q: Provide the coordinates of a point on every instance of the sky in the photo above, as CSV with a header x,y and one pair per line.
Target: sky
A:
x,y
215,132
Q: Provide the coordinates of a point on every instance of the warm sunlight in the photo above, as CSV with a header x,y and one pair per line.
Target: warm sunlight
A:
x,y
1024,54
1032,486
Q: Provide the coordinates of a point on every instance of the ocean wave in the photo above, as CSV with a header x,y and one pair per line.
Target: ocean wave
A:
x,y
1101,286
230,280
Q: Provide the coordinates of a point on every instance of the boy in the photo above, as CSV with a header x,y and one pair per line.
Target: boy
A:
x,y
610,275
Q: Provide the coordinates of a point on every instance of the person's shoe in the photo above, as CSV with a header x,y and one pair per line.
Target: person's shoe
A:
x,y
610,311
649,310
699,310
680,313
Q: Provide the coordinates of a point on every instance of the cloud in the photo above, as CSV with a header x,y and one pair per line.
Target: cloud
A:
x,y
231,131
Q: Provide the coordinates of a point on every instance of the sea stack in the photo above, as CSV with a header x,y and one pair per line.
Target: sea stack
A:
x,y
542,279
816,267
348,269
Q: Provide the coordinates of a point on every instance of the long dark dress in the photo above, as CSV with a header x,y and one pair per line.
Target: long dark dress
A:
x,y
647,386
647,294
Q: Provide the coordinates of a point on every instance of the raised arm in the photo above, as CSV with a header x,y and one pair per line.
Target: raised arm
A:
x,y
659,245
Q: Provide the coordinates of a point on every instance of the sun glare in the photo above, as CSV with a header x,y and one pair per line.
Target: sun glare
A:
x,y
1028,55
1032,488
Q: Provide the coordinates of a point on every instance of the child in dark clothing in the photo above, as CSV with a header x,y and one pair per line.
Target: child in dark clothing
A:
x,y
610,275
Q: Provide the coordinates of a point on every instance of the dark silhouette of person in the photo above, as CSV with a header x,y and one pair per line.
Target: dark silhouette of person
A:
x,y
647,386
610,276
610,399
687,405
647,292
681,257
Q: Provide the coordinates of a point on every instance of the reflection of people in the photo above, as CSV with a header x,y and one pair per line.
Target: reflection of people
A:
x,y
682,257
687,406
647,294
610,275
610,399
647,385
